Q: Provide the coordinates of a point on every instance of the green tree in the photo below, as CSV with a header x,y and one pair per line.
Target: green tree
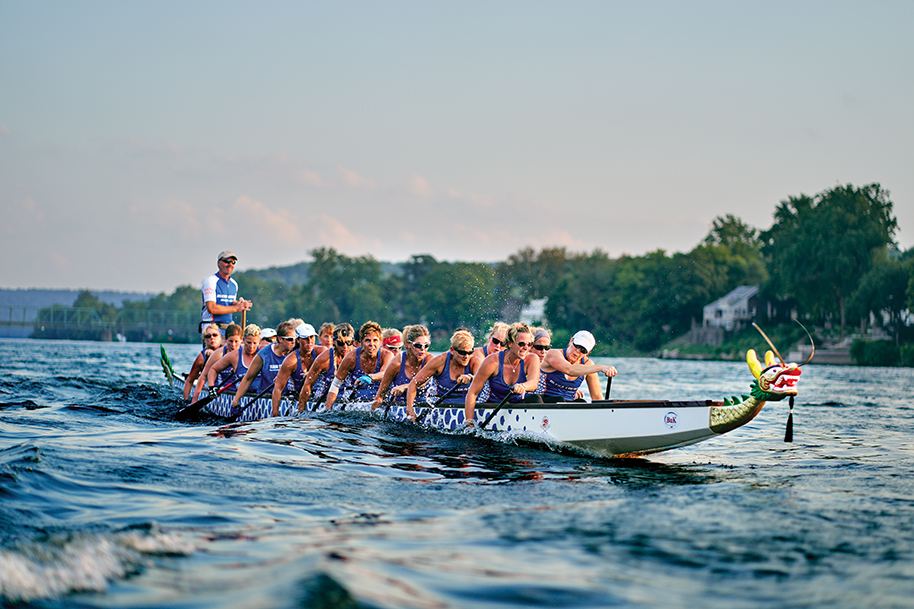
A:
x,y
87,300
819,248
882,293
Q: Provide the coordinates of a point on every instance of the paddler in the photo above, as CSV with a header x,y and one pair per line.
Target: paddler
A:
x,y
235,363
456,366
495,342
220,294
514,370
266,364
232,342
403,368
365,366
291,375
212,340
565,369
324,367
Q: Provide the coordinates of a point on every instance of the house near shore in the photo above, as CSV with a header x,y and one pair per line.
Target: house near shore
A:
x,y
734,311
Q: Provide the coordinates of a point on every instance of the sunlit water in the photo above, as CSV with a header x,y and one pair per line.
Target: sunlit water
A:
x,y
107,501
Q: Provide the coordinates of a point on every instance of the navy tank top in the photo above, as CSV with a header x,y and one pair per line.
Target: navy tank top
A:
x,y
498,389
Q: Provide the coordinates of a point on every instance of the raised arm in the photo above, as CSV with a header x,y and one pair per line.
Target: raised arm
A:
x,y
321,363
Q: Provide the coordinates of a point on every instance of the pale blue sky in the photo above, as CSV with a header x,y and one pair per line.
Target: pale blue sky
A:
x,y
137,140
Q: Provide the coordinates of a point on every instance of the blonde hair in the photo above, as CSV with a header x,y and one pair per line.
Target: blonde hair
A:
x,y
498,325
411,333
327,328
344,330
514,330
462,339
251,330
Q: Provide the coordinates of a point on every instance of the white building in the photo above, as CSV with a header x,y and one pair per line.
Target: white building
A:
x,y
733,311
534,312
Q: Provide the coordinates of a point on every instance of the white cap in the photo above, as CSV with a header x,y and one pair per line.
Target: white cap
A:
x,y
267,333
305,330
584,339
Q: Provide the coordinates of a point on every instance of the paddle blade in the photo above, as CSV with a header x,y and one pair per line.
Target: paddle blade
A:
x,y
166,366
788,434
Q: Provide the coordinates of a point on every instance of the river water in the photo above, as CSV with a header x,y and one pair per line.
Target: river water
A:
x,y
107,501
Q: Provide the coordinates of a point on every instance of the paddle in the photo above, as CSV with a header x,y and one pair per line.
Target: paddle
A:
x,y
495,412
609,386
170,373
192,409
234,418
788,434
349,397
437,402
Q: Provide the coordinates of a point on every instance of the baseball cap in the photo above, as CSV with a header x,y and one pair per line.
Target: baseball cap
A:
x,y
584,339
268,333
305,330
225,255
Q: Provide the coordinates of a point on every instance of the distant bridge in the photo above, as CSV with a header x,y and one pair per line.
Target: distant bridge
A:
x,y
86,323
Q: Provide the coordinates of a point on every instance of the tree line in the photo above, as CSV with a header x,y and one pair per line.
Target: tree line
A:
x,y
829,259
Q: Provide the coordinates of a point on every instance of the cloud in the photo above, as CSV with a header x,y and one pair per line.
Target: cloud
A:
x,y
25,214
309,177
478,201
5,130
191,223
355,180
278,224
420,187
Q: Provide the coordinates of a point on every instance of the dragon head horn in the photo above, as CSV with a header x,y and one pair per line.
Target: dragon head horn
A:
x,y
754,365
770,344
811,342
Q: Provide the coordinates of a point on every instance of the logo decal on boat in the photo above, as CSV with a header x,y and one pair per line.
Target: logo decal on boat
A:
x,y
671,419
545,423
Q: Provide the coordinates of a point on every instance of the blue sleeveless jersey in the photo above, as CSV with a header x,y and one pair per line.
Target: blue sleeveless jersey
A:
x,y
365,392
497,387
445,383
402,379
557,385
271,365
297,378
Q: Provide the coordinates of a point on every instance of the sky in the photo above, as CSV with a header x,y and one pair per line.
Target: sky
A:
x,y
138,140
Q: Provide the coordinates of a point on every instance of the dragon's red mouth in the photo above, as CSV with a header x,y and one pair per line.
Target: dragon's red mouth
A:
x,y
785,381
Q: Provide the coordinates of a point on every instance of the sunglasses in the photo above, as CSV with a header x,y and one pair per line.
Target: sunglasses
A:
x,y
462,352
343,343
496,342
228,261
210,335
287,338
542,347
523,345
421,345
580,348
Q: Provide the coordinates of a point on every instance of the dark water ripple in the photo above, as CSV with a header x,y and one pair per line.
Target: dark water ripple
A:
x,y
108,501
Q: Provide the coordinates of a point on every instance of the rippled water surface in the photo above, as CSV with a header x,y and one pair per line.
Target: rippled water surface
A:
x,y
107,501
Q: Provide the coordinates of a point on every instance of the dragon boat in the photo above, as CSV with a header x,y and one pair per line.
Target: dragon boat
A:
x,y
613,428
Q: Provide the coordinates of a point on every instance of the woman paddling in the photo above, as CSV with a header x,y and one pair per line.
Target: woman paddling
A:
x,y
455,367
403,369
323,370
514,370
365,365
565,369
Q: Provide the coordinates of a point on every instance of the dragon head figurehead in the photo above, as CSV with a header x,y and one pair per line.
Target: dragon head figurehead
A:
x,y
775,381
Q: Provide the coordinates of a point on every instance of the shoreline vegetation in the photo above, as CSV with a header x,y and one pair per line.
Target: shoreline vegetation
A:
x,y
829,261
